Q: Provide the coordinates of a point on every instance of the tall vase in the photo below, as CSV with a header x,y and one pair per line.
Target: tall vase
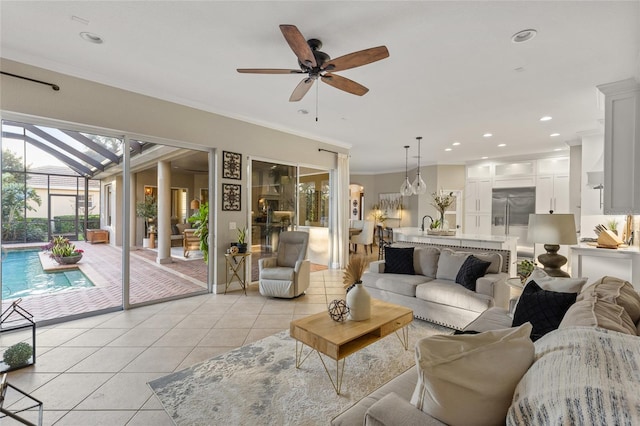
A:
x,y
359,303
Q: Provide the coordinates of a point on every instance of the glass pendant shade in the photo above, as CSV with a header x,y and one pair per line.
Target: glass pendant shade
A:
x,y
406,189
418,186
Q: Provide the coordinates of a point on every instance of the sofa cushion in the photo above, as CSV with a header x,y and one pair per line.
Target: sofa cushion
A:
x,y
616,291
594,312
393,410
494,318
395,283
449,264
425,261
460,381
581,376
561,284
472,269
181,227
449,293
277,273
544,309
398,260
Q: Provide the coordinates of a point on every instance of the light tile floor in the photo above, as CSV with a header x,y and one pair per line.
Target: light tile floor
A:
x,y
94,371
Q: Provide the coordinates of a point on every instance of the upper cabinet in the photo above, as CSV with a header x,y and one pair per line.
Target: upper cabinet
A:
x,y
622,147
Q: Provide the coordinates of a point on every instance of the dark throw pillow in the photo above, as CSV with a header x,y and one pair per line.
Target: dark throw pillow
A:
x,y
174,230
542,308
472,269
398,260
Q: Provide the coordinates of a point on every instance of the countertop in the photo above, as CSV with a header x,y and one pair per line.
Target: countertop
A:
x,y
416,232
627,250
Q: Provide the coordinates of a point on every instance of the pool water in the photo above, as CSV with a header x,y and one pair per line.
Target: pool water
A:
x,y
22,275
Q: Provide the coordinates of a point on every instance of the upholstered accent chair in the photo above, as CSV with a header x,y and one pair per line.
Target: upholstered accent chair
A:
x,y
287,274
365,237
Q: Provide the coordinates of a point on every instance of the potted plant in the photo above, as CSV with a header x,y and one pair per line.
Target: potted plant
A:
x,y
200,222
242,243
148,210
17,355
63,251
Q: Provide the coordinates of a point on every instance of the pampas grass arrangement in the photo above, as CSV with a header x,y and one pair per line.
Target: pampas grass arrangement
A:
x,y
353,272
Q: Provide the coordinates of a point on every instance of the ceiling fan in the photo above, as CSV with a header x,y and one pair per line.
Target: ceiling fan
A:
x,y
317,64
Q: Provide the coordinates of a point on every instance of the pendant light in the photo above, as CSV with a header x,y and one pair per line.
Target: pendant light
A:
x,y
405,188
418,186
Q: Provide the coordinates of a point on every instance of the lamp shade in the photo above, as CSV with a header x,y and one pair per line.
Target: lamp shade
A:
x,y
552,229
195,204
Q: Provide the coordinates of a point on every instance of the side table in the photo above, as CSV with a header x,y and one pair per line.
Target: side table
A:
x,y
234,264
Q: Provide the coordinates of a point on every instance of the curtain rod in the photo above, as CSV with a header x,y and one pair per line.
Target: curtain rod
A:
x,y
326,150
53,86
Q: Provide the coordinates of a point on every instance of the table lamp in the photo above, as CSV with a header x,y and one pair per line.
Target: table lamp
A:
x,y
552,230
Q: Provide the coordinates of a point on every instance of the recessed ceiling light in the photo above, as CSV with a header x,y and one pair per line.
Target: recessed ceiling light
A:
x,y
553,135
484,158
303,111
447,149
487,135
546,118
455,143
501,145
91,37
524,35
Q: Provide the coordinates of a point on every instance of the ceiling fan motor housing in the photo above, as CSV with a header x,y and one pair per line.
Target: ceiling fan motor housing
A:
x,y
320,57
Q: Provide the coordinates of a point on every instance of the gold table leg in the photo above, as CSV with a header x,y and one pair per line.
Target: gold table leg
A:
x,y
404,339
300,358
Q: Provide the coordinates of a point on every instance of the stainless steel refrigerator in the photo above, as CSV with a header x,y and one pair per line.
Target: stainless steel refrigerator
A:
x,y
510,209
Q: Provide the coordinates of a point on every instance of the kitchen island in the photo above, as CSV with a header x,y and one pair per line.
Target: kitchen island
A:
x,y
415,235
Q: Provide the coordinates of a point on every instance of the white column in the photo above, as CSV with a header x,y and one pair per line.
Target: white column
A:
x,y
164,212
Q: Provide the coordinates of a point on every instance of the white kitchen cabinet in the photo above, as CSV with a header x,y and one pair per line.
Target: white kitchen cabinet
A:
x,y
478,196
621,147
552,193
478,224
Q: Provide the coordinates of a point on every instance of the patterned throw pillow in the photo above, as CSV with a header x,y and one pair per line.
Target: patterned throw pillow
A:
x,y
398,260
544,309
472,269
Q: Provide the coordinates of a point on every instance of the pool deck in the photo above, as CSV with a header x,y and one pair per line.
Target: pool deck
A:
x,y
102,264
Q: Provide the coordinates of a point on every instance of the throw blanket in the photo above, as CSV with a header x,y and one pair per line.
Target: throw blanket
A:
x,y
581,376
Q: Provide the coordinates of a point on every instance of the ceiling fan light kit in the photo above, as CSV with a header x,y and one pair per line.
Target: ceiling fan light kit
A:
x,y
317,64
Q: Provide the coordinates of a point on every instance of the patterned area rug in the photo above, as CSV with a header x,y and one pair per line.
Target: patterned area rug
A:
x,y
259,383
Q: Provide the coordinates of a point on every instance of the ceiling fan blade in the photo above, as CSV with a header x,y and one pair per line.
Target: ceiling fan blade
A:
x,y
267,71
301,89
298,44
345,84
357,59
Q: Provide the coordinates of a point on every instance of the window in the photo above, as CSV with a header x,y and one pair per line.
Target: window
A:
x,y
89,201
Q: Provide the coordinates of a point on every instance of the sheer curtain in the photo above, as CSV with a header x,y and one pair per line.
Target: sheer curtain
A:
x,y
340,207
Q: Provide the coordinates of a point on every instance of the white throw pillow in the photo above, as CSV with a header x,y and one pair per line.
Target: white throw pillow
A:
x,y
559,284
469,379
449,264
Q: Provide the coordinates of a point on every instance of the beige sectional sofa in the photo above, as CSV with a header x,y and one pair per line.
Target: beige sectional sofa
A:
x,y
431,290
584,372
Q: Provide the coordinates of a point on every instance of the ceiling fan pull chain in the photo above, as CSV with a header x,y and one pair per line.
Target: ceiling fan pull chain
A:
x,y
317,95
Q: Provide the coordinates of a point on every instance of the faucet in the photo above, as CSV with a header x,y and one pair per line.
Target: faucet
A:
x,y
423,218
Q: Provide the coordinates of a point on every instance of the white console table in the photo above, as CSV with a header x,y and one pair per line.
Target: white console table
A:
x,y
595,263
